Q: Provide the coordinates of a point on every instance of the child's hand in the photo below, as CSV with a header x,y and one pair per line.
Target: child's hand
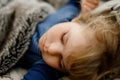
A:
x,y
89,5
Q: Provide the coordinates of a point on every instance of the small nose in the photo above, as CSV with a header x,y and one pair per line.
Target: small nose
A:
x,y
55,49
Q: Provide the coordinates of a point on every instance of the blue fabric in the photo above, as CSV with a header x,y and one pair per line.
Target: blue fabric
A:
x,y
39,69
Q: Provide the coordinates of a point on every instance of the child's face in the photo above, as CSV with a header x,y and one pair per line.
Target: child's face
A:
x,y
61,41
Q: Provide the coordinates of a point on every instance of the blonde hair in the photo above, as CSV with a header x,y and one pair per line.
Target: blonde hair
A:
x,y
105,54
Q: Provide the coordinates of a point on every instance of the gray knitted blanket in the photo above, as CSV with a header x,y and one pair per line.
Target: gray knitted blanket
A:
x,y
112,6
17,23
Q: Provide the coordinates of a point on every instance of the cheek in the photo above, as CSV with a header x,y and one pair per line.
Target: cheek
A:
x,y
51,60
53,35
56,30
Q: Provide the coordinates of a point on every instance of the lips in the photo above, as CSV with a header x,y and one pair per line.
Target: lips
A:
x,y
42,43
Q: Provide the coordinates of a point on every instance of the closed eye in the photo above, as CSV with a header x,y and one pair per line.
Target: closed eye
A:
x,y
61,64
64,38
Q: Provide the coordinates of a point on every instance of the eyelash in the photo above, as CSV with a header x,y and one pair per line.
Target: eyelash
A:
x,y
62,38
60,62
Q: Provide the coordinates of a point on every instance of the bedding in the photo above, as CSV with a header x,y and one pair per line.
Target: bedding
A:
x,y
18,19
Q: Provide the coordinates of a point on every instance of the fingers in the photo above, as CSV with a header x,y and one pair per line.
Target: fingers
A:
x,y
95,2
86,8
89,5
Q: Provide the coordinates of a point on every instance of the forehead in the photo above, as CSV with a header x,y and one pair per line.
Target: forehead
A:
x,y
78,44
79,39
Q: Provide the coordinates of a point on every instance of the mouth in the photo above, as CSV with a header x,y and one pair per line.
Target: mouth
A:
x,y
42,43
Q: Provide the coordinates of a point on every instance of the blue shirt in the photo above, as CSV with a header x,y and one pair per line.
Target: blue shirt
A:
x,y
39,70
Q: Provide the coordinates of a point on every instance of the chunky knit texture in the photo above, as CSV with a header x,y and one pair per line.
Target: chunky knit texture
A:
x,y
17,23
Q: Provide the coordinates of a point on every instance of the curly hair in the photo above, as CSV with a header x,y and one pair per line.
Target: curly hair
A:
x,y
100,57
